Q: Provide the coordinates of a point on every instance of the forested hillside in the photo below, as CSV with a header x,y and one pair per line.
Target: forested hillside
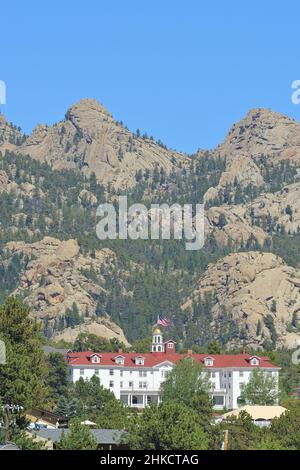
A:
x,y
51,257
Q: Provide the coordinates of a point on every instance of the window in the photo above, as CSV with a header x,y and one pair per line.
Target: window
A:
x,y
139,361
144,384
170,345
95,359
96,371
241,373
119,360
111,384
229,375
130,384
143,373
140,384
208,361
254,361
218,400
111,372
213,375
121,373
164,373
121,384
81,371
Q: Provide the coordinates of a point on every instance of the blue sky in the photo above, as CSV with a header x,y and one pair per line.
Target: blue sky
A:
x,y
184,71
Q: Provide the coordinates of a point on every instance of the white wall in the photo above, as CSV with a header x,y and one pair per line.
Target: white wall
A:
x,y
228,379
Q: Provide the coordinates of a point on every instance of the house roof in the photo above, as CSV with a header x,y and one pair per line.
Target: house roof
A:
x,y
102,436
258,412
155,358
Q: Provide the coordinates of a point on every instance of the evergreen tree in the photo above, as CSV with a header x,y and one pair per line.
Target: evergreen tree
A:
x,y
169,426
23,377
79,437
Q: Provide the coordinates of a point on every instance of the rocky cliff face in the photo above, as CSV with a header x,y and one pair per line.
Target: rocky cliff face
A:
x,y
256,290
259,219
57,276
90,139
10,135
262,133
102,327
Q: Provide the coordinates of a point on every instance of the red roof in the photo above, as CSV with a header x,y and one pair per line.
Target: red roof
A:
x,y
154,358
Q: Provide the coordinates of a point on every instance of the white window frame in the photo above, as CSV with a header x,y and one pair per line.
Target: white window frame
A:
x,y
139,361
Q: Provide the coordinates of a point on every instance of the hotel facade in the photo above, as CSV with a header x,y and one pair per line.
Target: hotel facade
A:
x,y
136,379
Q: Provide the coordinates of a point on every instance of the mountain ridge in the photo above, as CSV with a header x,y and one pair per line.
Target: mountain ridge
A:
x,y
249,185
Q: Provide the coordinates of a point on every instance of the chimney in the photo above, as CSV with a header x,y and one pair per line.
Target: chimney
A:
x,y
190,352
120,351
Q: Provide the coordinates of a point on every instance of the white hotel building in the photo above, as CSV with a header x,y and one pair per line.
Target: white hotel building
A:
x,y
136,378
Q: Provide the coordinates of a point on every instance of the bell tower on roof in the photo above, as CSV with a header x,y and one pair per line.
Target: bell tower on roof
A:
x,y
157,340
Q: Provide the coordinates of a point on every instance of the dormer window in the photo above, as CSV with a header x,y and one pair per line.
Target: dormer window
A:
x,y
209,361
254,361
95,358
170,345
140,361
119,360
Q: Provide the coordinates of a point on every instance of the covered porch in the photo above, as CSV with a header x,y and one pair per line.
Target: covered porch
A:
x,y
139,399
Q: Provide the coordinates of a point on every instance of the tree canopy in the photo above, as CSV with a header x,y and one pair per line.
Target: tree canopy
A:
x,y
168,426
186,380
261,389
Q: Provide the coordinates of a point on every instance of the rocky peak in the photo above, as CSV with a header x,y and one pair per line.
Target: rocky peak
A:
x,y
87,115
262,131
89,139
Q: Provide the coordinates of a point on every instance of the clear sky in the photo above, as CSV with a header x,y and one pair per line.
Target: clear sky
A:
x,y
184,71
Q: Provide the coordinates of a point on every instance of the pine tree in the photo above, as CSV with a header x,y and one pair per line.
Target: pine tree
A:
x,y
23,377
79,437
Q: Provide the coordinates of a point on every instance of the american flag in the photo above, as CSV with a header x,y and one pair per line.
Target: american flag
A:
x,y
161,320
